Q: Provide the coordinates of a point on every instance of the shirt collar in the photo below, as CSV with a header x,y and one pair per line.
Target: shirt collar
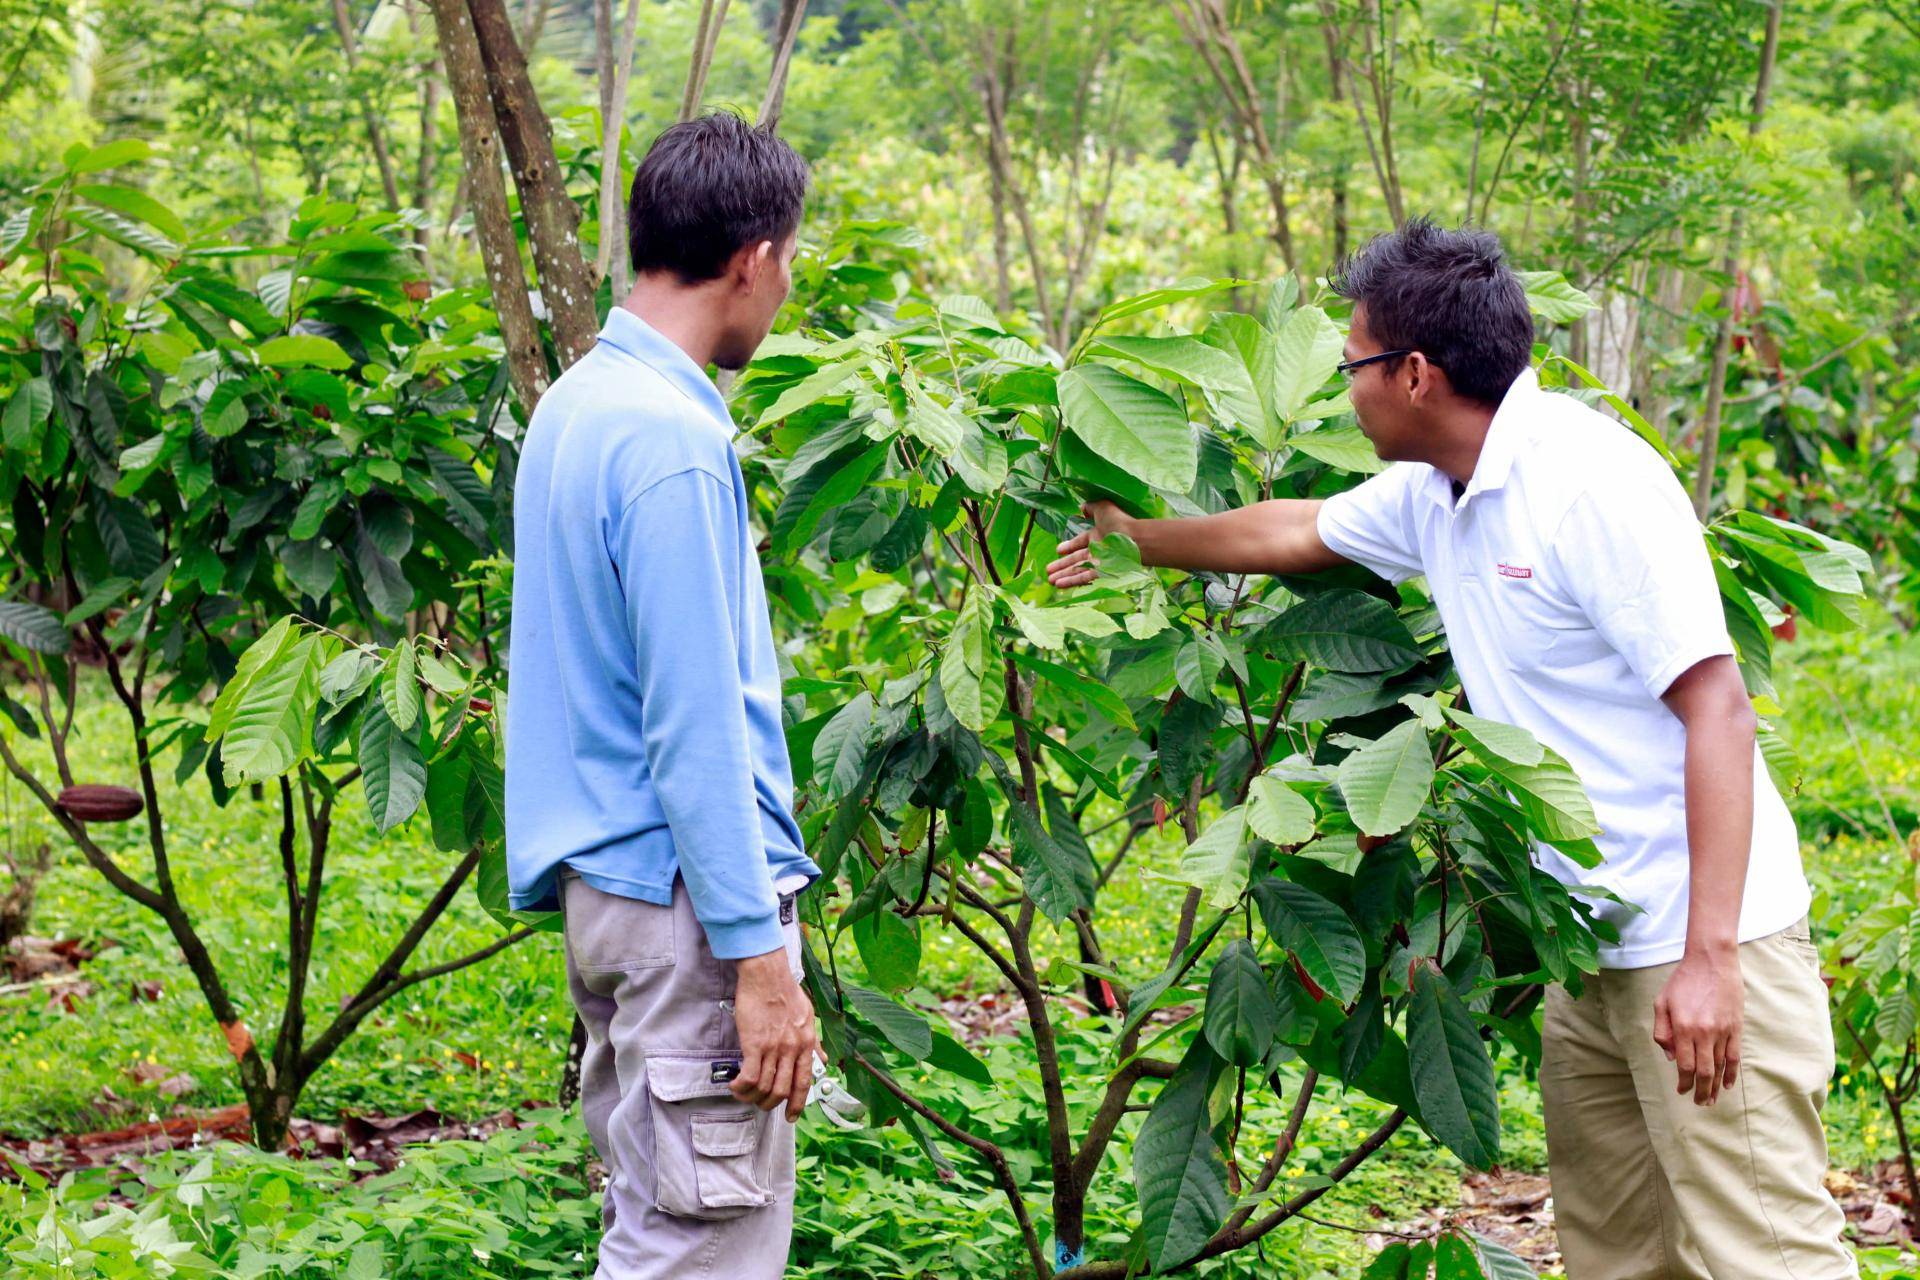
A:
x,y
629,334
1504,436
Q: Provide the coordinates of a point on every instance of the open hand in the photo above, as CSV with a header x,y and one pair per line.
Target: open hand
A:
x,y
1075,567
1697,1020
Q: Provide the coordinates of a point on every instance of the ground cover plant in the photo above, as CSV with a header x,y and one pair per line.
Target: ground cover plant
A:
x,y
185,467
1177,924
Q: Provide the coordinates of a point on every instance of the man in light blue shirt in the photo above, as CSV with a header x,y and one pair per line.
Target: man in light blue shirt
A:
x,y
649,794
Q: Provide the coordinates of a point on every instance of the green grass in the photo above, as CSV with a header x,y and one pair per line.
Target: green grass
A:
x,y
872,1204
511,1014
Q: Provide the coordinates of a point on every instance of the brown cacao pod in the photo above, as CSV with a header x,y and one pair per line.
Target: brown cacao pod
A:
x,y
97,802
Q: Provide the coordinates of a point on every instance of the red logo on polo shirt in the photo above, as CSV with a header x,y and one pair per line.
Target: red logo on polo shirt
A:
x,y
1515,571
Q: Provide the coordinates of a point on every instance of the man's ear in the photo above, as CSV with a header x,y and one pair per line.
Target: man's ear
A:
x,y
1425,381
752,261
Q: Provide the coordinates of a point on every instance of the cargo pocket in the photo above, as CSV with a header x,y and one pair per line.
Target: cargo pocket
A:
x,y
711,1155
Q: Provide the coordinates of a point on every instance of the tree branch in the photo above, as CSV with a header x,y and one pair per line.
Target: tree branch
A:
x,y
343,23
1723,336
352,1015
786,30
706,38
551,217
390,967
487,193
991,1154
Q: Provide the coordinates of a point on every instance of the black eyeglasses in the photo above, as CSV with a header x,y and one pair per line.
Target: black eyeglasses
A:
x,y
1347,367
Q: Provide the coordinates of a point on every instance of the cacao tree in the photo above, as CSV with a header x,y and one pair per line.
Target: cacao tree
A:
x,y
186,460
1354,906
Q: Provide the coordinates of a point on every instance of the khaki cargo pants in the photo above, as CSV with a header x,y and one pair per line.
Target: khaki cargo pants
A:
x,y
698,1183
1649,1186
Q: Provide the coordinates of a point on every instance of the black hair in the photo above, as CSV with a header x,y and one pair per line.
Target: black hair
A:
x,y
707,188
1449,295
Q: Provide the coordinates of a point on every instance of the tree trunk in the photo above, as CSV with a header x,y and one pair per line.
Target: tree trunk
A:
x,y
424,160
706,38
1205,25
1002,281
270,1113
1479,116
343,23
16,904
786,30
535,24
616,64
1229,213
552,219
1723,336
487,192
1580,332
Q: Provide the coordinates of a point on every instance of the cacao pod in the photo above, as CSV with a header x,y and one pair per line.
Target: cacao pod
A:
x,y
98,802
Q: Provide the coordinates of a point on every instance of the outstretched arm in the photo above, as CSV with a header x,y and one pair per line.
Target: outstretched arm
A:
x,y
1280,535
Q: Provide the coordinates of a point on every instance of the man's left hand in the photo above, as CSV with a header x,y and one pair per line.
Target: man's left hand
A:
x,y
1697,1021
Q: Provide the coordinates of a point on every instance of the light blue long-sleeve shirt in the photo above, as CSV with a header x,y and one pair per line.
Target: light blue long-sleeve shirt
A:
x,y
643,726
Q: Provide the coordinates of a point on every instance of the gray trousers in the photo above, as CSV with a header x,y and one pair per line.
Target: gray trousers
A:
x,y
699,1183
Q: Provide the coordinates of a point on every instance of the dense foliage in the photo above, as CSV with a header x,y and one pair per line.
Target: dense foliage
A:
x,y
960,725
185,466
266,343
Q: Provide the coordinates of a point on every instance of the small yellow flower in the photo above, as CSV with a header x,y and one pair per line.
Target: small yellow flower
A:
x,y
42,1064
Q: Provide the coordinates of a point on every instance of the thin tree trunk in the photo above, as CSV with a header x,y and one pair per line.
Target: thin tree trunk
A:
x,y
1651,391
536,23
616,64
424,161
1336,92
1207,29
1380,144
786,30
1723,337
1229,215
552,219
1579,344
487,192
1002,282
343,23
1000,156
1479,115
706,38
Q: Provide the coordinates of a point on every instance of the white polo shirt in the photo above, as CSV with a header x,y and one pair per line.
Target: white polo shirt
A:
x,y
1575,586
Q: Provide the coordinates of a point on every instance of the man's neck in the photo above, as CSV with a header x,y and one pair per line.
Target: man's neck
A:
x,y
685,315
1460,435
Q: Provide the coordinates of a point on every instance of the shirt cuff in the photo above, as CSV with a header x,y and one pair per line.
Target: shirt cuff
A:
x,y
739,939
1329,523
1682,661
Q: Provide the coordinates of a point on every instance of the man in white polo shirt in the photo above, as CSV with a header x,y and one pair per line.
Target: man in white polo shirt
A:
x,y
1683,1087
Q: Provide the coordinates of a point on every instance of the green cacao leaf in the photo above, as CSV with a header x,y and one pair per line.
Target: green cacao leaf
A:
x,y
1136,427
1241,1014
393,773
1452,1075
1177,1169
1316,932
1386,782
